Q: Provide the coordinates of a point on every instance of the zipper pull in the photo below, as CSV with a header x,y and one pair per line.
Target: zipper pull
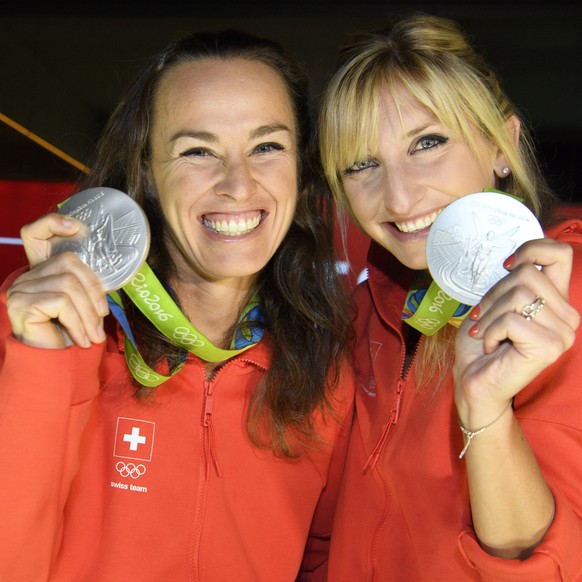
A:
x,y
209,437
394,416
373,458
398,404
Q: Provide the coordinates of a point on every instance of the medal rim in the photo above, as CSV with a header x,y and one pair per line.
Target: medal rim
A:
x,y
494,199
74,202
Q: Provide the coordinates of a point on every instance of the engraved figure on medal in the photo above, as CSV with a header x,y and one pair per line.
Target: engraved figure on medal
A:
x,y
115,240
465,258
468,261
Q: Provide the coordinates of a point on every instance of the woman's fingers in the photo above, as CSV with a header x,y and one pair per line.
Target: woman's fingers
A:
x,y
527,292
553,257
543,338
60,294
522,325
36,235
34,320
527,285
59,298
75,276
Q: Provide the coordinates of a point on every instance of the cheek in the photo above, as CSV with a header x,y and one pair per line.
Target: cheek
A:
x,y
360,202
285,175
175,214
284,185
476,174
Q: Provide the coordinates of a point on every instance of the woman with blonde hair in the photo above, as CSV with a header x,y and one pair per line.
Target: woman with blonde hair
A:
x,y
465,457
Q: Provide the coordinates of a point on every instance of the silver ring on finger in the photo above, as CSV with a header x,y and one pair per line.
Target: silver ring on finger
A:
x,y
532,309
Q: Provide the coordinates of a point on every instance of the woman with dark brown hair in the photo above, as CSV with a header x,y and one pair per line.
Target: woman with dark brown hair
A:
x,y
198,451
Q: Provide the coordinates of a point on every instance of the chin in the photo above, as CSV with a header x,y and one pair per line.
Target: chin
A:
x,y
412,256
241,269
414,263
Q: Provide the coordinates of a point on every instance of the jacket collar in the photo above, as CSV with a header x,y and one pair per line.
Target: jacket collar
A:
x,y
389,282
260,354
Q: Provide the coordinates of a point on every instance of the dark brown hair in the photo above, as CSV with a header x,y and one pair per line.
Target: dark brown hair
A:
x,y
302,300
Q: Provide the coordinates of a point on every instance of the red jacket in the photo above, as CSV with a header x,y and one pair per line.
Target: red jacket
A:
x,y
97,486
403,513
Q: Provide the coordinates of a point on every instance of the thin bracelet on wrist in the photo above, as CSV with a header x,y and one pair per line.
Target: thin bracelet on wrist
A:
x,y
470,434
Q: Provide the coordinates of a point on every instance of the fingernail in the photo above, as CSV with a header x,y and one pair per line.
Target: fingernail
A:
x,y
101,334
475,312
103,307
508,263
67,222
474,330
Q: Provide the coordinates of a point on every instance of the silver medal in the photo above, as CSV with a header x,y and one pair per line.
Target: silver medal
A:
x,y
116,238
471,238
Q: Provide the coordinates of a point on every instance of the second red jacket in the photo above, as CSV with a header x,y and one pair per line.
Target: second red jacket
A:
x,y
404,513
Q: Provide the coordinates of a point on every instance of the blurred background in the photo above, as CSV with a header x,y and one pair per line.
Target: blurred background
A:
x,y
66,64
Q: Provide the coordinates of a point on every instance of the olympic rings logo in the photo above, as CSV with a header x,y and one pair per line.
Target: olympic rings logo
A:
x,y
140,371
428,323
185,337
130,470
497,220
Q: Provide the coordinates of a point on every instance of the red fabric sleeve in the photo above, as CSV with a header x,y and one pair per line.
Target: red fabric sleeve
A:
x,y
556,558
551,419
45,396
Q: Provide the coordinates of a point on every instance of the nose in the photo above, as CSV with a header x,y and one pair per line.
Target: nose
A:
x,y
236,180
402,192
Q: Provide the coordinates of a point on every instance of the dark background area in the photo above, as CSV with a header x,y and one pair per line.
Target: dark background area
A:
x,y
65,65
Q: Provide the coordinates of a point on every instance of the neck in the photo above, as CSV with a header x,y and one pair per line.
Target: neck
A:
x,y
213,307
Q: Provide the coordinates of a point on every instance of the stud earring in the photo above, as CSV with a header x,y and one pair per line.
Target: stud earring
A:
x,y
505,170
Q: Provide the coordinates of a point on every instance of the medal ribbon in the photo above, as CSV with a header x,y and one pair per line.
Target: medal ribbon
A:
x,y
428,310
150,297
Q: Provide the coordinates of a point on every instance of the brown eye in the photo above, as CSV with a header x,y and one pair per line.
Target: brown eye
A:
x,y
195,152
265,148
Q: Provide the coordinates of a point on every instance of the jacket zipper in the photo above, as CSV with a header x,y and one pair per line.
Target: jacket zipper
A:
x,y
210,453
211,458
209,437
394,413
375,456
209,445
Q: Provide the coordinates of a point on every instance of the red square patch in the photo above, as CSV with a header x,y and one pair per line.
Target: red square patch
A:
x,y
134,439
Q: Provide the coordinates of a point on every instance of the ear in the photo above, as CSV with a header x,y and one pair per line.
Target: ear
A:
x,y
512,125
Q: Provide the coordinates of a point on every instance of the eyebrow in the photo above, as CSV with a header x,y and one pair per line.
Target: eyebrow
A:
x,y
420,129
268,129
201,135
209,137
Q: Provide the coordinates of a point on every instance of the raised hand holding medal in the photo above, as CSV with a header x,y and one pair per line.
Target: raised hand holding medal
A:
x,y
62,302
59,302
116,238
465,250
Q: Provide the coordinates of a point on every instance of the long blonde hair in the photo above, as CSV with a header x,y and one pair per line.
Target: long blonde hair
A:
x,y
433,60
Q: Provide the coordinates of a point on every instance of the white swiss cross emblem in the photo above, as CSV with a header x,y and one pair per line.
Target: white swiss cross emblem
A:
x,y
134,439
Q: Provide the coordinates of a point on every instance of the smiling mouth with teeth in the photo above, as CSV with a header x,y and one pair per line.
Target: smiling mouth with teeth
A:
x,y
234,226
418,224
